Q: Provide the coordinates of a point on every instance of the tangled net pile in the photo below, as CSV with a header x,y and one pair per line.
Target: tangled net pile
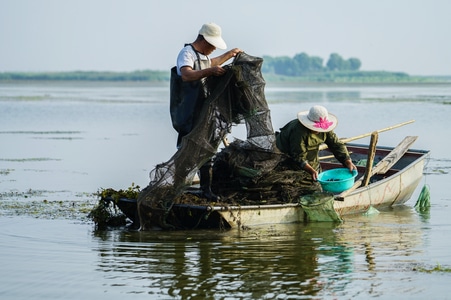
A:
x,y
242,171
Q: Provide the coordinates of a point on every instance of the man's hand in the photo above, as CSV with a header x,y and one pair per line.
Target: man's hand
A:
x,y
233,52
217,71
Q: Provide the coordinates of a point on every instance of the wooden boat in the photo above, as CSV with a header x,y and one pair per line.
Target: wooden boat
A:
x,y
394,179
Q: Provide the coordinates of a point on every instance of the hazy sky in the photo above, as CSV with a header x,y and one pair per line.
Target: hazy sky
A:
x,y
412,36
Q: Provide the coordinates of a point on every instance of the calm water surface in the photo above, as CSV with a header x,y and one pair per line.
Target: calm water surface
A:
x,y
61,142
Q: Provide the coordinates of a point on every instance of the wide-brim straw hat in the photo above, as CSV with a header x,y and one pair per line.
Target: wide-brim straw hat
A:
x,y
318,119
212,34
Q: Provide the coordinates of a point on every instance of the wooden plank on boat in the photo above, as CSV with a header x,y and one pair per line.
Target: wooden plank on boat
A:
x,y
370,159
384,165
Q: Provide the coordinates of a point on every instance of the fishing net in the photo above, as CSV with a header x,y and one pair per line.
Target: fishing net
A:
x,y
234,97
424,199
246,175
250,172
319,207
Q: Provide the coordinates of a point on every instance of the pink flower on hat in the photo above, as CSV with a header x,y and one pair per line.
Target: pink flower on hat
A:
x,y
318,119
323,123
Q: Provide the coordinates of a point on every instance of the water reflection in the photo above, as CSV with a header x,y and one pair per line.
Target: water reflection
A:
x,y
298,259
278,95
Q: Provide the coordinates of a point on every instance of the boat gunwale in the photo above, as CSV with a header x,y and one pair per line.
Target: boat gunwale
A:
x,y
237,207
420,156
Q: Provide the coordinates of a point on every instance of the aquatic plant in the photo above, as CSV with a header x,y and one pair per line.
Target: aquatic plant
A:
x,y
106,213
43,209
131,192
5,171
437,268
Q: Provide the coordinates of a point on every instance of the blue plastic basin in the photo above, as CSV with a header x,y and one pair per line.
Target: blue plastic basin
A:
x,y
337,180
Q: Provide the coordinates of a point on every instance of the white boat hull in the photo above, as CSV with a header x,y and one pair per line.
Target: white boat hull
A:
x,y
395,189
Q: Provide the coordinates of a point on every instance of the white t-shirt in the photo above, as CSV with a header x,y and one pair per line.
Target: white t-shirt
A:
x,y
187,57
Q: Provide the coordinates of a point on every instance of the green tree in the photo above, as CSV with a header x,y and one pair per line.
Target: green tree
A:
x,y
354,64
268,64
284,65
307,64
302,63
335,62
317,63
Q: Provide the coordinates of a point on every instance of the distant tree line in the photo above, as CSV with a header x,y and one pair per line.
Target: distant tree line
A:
x,y
145,75
300,68
302,64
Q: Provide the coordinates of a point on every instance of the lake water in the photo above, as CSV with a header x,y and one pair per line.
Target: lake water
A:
x,y
61,142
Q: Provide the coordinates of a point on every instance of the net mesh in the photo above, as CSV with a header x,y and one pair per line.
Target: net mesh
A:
x,y
245,172
319,207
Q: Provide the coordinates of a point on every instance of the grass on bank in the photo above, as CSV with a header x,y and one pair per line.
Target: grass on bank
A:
x,y
164,76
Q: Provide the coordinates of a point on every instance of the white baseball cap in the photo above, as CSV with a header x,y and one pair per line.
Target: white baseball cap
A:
x,y
212,34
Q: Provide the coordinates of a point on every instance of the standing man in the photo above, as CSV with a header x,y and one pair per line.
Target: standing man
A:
x,y
193,68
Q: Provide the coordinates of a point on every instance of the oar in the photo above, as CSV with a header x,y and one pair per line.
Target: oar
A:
x,y
347,140
384,165
329,156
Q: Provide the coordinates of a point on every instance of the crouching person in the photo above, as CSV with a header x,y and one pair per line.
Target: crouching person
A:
x,y
301,138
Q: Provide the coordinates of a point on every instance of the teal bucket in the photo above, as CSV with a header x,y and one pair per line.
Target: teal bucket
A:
x,y
337,180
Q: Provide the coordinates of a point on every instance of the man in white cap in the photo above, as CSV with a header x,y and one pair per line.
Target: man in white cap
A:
x,y
208,40
301,138
193,67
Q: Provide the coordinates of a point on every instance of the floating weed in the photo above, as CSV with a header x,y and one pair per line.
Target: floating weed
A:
x,y
41,132
29,159
58,138
440,171
438,268
438,167
46,209
27,194
20,203
32,98
5,171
